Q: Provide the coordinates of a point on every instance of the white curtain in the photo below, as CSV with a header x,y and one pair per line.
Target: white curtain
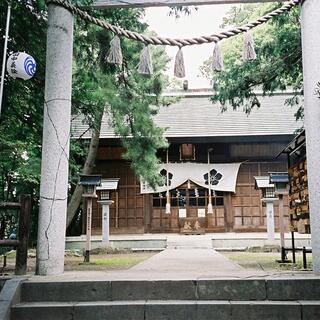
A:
x,y
223,177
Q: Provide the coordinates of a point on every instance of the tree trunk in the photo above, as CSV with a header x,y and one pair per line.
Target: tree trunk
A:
x,y
75,200
3,226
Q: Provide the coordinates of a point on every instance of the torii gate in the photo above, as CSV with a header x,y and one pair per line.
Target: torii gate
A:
x,y
57,116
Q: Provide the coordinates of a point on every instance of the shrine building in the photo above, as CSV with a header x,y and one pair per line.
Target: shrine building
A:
x,y
233,146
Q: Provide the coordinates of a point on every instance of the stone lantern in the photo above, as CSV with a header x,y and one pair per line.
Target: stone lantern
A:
x,y
281,184
268,197
105,192
89,183
280,181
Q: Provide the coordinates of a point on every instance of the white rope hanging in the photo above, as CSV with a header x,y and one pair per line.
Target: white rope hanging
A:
x,y
179,69
249,52
217,64
115,54
145,64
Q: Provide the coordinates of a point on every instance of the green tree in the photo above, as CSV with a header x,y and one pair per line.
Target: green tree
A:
x,y
127,95
21,117
95,84
278,65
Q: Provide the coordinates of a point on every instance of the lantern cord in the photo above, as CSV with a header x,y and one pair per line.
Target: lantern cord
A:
x,y
175,42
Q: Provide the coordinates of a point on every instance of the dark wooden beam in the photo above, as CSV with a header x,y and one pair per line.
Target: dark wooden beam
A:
x,y
10,205
9,243
103,4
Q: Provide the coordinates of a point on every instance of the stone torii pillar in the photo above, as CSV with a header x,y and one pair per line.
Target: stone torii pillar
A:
x,y
55,145
310,21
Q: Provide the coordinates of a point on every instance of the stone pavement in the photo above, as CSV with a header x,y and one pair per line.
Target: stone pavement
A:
x,y
195,262
187,257
176,264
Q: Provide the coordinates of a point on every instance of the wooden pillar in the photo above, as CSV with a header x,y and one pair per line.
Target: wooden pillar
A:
x,y
228,212
117,210
281,221
147,204
88,230
23,235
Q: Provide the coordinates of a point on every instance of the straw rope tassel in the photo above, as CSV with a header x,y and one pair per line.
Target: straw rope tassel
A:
x,y
145,64
249,53
115,54
179,70
217,64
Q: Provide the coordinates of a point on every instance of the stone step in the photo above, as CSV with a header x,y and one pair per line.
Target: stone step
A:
x,y
168,310
217,289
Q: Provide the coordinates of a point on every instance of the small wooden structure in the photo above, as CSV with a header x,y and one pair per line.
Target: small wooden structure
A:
x,y
280,180
298,192
21,244
89,183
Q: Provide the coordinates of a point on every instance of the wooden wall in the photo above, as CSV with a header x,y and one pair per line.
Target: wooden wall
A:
x,y
127,214
249,213
133,212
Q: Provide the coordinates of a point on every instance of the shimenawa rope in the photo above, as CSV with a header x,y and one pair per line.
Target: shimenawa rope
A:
x,y
145,65
175,42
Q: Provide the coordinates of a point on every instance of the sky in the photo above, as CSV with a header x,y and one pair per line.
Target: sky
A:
x,y
204,21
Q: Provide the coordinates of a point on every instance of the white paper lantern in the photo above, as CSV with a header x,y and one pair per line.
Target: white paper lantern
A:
x,y
21,65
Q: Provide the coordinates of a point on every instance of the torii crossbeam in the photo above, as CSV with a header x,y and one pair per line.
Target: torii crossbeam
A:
x,y
101,4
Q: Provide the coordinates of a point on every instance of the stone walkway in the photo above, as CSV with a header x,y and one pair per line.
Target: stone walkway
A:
x,y
195,262
170,264
186,258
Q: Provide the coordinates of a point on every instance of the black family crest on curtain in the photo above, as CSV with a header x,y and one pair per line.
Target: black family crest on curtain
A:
x,y
215,177
223,177
163,173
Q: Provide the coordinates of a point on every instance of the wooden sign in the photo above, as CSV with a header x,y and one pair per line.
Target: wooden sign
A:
x,y
201,213
100,4
182,213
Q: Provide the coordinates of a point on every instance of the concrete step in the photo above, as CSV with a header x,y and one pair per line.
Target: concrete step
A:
x,y
168,310
218,289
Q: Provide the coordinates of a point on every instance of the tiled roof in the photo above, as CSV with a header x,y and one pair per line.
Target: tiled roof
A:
x,y
196,116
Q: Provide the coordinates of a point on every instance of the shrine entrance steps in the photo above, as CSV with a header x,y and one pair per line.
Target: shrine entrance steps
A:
x,y
266,298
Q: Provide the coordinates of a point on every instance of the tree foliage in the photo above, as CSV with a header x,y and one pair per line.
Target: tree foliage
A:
x,y
96,84
21,117
278,66
128,95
